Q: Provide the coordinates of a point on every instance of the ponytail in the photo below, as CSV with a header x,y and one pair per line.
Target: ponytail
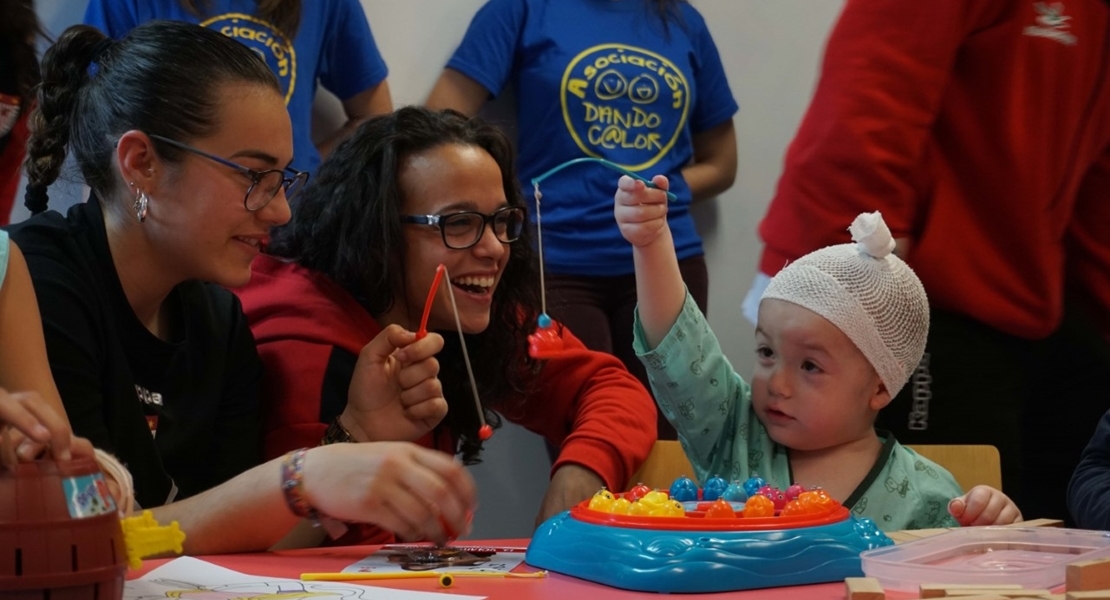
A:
x,y
162,78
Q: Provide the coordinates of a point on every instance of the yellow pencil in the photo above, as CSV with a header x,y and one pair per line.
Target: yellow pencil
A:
x,y
445,579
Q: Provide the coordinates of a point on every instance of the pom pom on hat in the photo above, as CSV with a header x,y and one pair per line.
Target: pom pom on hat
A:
x,y
868,293
869,230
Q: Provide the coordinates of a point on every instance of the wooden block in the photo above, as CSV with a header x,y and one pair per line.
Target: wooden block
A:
x,y
864,588
983,597
1088,595
995,591
941,590
1038,523
1088,575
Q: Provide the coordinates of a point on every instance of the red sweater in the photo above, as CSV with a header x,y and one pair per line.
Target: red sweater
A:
x,y
981,130
586,402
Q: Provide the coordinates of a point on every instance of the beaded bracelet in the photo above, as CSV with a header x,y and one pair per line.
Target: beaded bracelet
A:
x,y
292,485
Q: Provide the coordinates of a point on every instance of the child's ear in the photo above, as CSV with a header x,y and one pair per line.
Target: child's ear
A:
x,y
880,397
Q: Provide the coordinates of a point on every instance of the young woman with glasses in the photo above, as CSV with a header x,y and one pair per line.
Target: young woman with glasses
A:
x,y
183,138
406,193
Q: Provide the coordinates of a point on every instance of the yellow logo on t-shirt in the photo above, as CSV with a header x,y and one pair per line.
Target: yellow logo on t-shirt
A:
x,y
272,46
626,104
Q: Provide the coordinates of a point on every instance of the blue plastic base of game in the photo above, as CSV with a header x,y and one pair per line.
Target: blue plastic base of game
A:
x,y
668,561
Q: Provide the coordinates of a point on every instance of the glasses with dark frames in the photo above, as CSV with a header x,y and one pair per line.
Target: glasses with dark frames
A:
x,y
265,185
461,230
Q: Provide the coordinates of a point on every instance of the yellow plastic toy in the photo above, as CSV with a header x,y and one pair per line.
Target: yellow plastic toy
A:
x,y
144,537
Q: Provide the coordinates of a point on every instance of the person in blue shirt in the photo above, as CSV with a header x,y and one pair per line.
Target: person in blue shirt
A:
x,y
1089,490
325,41
635,82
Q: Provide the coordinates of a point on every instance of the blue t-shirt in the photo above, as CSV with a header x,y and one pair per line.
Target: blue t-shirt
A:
x,y
601,78
333,45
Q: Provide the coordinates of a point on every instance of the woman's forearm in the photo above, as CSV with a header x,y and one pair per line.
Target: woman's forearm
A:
x,y
245,514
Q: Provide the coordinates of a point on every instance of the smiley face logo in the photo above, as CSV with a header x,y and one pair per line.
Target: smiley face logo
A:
x,y
644,89
625,104
610,85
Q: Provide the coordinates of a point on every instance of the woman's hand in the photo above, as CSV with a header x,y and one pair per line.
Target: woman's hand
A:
x,y
569,485
36,426
412,491
395,394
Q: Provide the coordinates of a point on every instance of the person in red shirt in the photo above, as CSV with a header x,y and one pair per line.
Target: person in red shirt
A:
x,y
981,130
19,74
406,193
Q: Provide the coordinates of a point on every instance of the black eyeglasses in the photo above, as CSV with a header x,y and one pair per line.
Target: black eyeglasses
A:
x,y
462,230
264,184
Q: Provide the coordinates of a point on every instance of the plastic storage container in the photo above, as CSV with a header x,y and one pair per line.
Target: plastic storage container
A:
x,y
1032,557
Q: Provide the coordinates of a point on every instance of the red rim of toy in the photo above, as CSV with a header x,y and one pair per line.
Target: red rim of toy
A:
x,y
698,522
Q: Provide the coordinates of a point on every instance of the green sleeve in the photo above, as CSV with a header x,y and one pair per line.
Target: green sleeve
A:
x,y
708,403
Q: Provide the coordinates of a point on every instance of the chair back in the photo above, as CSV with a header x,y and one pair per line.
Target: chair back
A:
x,y
969,464
666,463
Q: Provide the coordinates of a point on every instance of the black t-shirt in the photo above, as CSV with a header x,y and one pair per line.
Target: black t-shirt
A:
x,y
181,412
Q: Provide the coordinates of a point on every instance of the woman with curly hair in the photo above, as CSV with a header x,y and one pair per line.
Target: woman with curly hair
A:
x,y
406,193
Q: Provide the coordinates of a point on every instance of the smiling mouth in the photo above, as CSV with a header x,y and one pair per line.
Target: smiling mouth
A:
x,y
474,285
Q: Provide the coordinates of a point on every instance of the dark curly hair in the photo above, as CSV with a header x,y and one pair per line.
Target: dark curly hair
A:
x,y
19,28
162,78
347,226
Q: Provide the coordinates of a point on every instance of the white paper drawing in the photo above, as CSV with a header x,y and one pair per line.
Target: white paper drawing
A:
x,y
189,578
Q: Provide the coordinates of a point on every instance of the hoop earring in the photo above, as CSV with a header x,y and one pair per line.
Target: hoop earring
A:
x,y
141,204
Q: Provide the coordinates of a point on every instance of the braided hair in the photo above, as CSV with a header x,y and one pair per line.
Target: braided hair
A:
x,y
162,79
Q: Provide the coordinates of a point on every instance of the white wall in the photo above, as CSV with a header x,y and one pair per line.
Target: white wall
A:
x,y
771,52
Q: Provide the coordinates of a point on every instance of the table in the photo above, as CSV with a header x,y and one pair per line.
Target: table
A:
x,y
291,563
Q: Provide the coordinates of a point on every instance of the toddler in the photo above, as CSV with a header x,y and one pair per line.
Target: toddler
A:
x,y
839,332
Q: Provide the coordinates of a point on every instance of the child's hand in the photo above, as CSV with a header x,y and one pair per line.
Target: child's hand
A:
x,y
984,505
39,426
641,211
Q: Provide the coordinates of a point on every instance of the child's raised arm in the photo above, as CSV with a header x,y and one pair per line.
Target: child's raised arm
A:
x,y
641,214
984,505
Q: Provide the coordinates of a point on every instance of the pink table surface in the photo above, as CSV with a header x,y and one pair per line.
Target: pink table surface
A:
x,y
291,563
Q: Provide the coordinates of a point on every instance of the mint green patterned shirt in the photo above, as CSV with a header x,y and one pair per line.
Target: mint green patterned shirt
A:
x,y
710,406
5,249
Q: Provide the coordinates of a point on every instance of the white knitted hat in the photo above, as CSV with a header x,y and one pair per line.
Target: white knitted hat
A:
x,y
866,292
